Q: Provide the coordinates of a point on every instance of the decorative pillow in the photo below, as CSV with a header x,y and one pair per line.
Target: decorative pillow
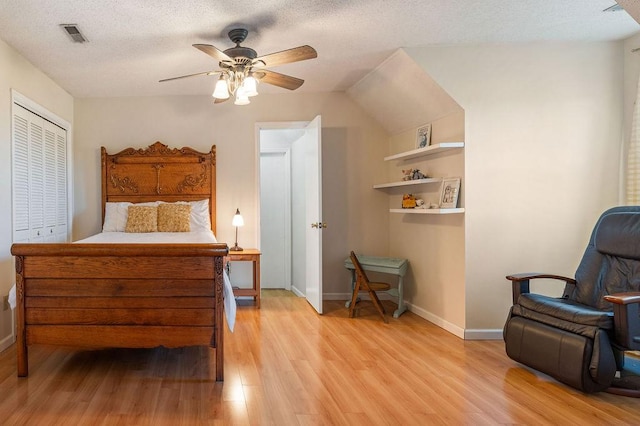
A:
x,y
174,217
142,219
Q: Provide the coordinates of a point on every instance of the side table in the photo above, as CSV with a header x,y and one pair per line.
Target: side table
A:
x,y
248,255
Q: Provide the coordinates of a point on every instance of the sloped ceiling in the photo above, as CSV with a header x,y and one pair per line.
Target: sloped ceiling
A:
x,y
400,95
632,7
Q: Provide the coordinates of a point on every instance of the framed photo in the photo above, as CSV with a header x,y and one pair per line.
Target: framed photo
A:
x,y
449,193
423,136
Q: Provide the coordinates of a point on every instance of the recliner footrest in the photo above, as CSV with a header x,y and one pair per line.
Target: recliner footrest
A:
x,y
565,356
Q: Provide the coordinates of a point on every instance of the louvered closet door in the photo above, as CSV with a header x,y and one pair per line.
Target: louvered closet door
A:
x,y
39,179
20,169
50,186
36,179
61,185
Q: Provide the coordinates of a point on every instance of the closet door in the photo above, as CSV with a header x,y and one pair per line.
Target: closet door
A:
x,y
20,163
39,167
50,183
61,186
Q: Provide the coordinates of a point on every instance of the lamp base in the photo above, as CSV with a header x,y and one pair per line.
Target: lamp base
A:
x,y
236,248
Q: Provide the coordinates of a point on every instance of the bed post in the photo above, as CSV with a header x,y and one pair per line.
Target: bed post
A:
x,y
218,334
21,336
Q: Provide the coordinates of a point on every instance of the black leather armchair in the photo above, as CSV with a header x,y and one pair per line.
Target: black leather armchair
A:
x,y
580,338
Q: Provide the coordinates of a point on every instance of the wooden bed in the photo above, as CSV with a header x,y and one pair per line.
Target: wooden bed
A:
x,y
128,295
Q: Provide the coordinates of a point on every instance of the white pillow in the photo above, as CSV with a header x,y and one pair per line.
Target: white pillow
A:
x,y
116,215
200,217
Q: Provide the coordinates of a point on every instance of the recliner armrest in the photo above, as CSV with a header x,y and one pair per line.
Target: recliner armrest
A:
x,y
520,283
626,318
623,298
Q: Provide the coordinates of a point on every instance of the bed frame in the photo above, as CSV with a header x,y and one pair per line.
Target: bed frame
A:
x,y
128,295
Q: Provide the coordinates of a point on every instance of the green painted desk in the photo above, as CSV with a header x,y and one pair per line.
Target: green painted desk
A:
x,y
386,265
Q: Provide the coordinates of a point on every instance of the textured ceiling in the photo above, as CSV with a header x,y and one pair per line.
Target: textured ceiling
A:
x,y
134,43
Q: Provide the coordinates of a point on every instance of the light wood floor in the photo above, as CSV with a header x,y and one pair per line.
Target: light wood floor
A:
x,y
287,366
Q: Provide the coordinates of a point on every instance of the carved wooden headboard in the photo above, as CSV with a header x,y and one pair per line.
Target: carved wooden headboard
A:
x,y
159,173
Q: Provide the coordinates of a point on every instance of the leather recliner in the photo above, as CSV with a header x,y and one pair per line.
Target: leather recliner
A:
x,y
580,338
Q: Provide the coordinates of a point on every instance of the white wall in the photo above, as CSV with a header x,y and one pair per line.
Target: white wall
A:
x,y
17,73
433,244
353,148
543,135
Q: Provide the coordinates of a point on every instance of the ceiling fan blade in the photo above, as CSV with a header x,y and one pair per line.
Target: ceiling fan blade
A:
x,y
214,52
190,75
219,101
277,79
301,53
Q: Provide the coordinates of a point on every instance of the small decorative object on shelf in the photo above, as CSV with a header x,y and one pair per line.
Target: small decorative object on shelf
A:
x,y
423,136
449,193
413,174
420,204
408,201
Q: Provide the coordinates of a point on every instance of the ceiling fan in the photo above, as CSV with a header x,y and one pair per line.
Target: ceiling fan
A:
x,y
241,68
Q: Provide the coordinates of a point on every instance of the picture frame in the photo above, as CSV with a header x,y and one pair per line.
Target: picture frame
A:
x,y
449,192
423,136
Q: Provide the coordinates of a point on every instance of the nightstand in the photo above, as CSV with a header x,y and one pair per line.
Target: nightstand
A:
x,y
248,255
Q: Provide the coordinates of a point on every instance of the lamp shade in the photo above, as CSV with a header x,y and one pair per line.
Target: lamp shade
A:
x,y
250,86
241,98
237,219
221,91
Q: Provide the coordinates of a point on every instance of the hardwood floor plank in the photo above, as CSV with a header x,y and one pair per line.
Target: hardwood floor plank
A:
x,y
286,365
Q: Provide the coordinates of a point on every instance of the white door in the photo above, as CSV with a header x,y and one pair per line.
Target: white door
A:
x,y
312,140
275,271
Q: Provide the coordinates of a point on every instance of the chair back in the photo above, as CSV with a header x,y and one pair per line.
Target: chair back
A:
x,y
611,262
361,275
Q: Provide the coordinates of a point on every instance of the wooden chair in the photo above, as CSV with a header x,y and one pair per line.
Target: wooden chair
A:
x,y
363,283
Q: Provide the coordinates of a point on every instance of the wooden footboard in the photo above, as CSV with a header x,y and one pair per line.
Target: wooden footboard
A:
x,y
119,295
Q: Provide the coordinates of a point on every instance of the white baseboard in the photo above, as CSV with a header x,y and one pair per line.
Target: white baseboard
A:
x,y
297,292
468,334
446,325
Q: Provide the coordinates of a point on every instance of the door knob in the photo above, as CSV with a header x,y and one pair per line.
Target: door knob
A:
x,y
323,224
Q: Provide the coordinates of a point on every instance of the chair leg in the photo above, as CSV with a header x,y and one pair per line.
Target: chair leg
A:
x,y
378,305
354,299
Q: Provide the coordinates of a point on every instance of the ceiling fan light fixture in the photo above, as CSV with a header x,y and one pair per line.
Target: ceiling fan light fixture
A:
x,y
221,90
250,86
241,97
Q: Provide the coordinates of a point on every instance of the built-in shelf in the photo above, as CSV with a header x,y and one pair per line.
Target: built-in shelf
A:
x,y
407,183
428,211
429,150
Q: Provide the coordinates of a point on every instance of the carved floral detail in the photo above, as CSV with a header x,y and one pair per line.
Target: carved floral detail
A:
x,y
123,183
158,167
192,181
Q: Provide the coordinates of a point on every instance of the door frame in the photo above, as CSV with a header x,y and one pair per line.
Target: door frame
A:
x,y
258,127
269,125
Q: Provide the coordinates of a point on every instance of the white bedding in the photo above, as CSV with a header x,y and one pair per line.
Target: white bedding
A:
x,y
160,238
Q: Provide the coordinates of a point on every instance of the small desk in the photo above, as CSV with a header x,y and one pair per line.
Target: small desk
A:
x,y
248,255
387,265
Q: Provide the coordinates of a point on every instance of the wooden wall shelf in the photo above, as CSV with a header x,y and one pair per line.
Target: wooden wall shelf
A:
x,y
407,183
428,211
429,150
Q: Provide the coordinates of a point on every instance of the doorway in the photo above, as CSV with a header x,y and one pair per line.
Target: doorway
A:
x,y
290,204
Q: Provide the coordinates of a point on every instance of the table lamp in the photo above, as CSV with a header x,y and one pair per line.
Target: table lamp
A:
x,y
237,221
